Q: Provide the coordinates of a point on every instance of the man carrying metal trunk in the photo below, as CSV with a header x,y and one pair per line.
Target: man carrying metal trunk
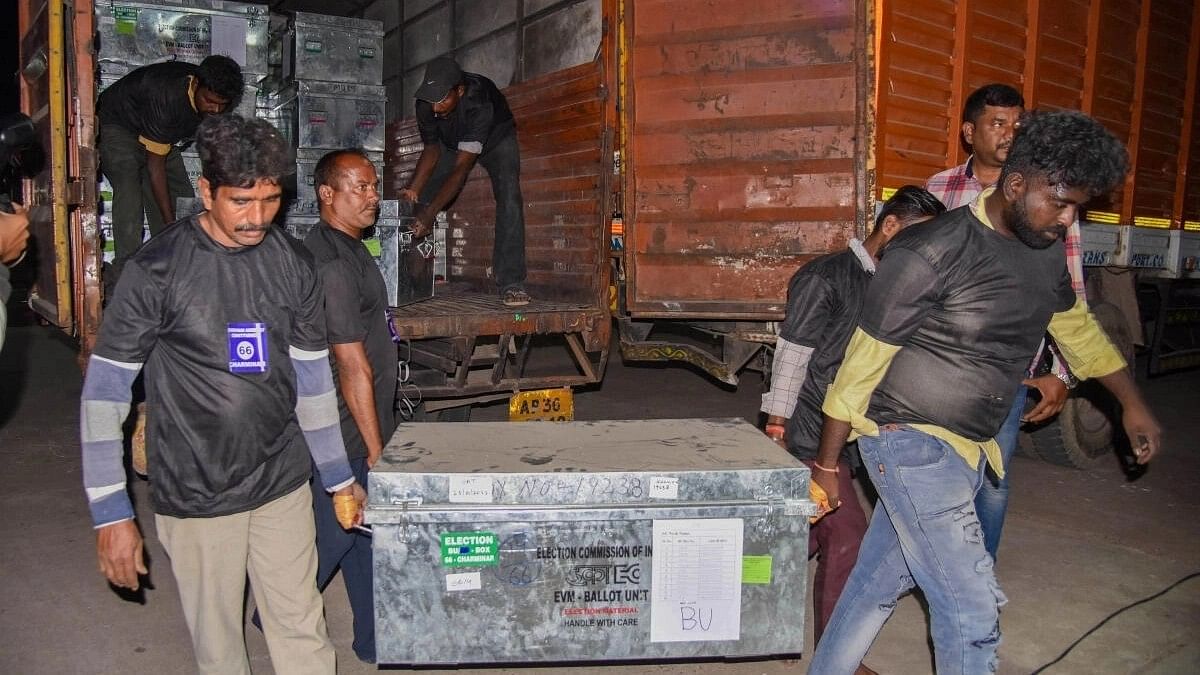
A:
x,y
824,302
954,315
364,360
225,313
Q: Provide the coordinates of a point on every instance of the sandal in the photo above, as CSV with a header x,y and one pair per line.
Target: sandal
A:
x,y
514,296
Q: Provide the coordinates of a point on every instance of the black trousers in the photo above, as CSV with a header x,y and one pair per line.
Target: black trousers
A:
x,y
503,165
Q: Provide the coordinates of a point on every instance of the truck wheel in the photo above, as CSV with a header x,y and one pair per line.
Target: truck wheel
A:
x,y
1083,432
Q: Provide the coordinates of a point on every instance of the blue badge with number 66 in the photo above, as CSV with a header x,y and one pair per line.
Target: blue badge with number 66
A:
x,y
247,347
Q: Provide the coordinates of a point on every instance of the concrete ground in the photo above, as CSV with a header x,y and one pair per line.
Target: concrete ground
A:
x,y
1078,546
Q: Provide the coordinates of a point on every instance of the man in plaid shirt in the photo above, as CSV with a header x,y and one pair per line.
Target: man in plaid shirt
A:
x,y
990,117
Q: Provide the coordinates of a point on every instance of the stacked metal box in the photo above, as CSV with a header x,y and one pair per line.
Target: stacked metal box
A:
x,y
331,94
131,34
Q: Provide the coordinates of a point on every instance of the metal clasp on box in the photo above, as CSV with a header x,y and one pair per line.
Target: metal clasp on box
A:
x,y
406,533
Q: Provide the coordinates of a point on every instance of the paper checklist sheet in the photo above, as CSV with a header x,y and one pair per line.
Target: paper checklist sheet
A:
x,y
697,582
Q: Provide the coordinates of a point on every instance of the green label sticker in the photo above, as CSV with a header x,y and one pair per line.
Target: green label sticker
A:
x,y
126,20
469,549
373,247
756,569
366,53
313,46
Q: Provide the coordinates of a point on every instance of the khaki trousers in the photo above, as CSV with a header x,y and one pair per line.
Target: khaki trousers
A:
x,y
274,544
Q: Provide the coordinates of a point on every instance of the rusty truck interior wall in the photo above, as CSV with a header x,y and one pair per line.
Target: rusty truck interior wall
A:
x,y
57,91
748,143
1130,63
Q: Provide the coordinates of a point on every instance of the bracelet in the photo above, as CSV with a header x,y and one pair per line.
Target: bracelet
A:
x,y
833,470
1067,379
767,429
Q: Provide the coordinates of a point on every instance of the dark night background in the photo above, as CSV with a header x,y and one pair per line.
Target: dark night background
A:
x,y
9,99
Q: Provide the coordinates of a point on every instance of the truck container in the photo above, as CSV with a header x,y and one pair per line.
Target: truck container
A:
x,y
680,159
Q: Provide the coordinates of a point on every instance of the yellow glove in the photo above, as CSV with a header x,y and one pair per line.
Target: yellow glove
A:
x,y
817,494
345,507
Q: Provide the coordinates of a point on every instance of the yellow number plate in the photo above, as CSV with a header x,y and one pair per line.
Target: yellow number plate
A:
x,y
543,405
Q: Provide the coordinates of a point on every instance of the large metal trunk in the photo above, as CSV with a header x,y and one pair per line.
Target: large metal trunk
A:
x,y
503,542
335,115
336,49
134,34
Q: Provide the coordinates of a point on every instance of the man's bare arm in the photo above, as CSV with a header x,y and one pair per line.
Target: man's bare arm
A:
x,y
424,169
1145,434
463,163
356,381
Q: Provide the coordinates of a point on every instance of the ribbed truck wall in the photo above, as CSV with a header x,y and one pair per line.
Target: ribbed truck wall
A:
x,y
1129,63
747,149
560,128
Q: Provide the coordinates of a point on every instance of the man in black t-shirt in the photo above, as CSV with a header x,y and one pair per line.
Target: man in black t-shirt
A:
x,y
463,119
364,359
144,118
225,314
824,304
955,313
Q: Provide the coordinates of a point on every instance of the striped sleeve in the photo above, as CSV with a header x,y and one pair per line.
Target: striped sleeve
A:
x,y
317,412
103,408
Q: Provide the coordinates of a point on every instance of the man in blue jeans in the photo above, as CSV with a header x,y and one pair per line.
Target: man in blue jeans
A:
x,y
464,119
989,120
954,315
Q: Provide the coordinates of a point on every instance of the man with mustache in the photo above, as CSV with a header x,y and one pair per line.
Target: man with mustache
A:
x,y
364,359
225,313
955,312
990,117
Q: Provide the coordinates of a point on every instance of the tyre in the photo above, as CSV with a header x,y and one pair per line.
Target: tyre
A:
x,y
1083,432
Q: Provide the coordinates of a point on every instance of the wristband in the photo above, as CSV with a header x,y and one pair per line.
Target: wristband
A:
x,y
827,470
1067,379
774,427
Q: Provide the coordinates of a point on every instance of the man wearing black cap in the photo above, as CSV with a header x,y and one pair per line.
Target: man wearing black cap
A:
x,y
463,119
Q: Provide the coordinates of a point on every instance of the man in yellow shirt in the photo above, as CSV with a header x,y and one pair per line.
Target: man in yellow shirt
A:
x,y
145,118
954,315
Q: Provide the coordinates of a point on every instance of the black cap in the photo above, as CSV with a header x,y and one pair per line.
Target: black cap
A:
x,y
441,75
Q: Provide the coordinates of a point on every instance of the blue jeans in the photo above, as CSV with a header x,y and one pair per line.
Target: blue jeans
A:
x,y
349,551
992,501
924,532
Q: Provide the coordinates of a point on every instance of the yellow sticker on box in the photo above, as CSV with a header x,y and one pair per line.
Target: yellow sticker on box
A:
x,y
756,569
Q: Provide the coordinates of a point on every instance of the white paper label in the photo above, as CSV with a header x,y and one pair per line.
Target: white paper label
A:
x,y
697,572
470,489
466,581
228,37
664,487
